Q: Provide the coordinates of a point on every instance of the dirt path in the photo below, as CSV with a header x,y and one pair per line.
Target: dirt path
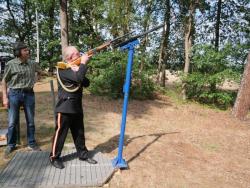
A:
x,y
166,144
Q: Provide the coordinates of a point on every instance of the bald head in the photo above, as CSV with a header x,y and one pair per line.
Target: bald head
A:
x,y
70,53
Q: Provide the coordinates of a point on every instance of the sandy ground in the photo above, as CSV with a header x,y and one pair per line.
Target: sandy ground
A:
x,y
167,144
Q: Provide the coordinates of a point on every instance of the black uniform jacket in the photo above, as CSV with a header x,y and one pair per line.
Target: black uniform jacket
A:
x,y
71,102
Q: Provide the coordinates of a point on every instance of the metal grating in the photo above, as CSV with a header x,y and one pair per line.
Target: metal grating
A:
x,y
33,169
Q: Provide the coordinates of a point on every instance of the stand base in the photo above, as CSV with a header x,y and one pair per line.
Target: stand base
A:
x,y
122,164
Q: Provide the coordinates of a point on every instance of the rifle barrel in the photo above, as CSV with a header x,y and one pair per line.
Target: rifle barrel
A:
x,y
139,35
148,31
122,36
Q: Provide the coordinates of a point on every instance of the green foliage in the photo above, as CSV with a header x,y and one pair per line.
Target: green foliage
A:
x,y
142,85
210,69
107,74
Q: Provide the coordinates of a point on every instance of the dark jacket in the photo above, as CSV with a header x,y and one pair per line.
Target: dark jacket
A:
x,y
71,102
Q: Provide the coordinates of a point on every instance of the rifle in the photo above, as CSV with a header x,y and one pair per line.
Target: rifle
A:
x,y
115,43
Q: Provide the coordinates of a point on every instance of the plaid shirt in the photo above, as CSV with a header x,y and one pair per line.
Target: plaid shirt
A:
x,y
20,75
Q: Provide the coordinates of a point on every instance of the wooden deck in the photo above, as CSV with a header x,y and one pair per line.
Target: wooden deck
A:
x,y
33,169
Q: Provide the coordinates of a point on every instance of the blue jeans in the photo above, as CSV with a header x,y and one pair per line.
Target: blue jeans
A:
x,y
27,100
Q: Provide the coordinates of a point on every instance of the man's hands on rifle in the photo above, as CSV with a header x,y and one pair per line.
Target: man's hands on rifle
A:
x,y
85,58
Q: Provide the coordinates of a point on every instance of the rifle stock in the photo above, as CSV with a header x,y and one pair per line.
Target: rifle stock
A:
x,y
63,65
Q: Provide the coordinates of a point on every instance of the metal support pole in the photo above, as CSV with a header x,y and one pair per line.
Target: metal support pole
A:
x,y
119,162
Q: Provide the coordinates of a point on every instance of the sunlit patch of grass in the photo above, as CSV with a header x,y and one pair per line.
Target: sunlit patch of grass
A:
x,y
173,92
211,147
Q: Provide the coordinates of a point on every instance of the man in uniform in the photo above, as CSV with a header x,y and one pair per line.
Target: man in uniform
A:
x,y
69,111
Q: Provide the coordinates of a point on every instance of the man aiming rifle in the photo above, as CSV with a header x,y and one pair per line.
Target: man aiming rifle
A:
x,y
115,43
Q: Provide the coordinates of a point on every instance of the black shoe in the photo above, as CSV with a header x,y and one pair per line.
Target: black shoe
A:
x,y
57,163
88,160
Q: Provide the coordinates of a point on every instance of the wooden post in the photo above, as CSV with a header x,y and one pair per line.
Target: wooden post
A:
x,y
37,40
53,99
242,103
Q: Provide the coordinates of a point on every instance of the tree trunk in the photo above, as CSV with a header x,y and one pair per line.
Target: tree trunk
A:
x,y
163,58
189,31
242,103
64,24
51,23
161,61
146,22
217,26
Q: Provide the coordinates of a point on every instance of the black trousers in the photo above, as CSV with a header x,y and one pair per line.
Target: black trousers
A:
x,y
64,122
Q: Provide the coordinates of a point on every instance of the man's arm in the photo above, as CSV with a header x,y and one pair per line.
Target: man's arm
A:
x,y
40,72
5,95
6,77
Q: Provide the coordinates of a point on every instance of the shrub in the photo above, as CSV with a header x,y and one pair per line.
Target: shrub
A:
x,y
209,69
107,74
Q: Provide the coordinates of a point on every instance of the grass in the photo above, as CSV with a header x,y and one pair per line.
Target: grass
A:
x,y
211,147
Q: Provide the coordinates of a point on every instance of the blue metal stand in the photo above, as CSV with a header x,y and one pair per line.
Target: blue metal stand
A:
x,y
119,162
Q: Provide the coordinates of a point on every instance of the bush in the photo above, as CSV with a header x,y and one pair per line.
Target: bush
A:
x,y
209,69
107,74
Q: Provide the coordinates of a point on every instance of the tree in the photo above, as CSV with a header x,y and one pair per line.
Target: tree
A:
x,y
85,23
242,103
64,24
217,26
50,44
21,18
188,10
163,57
145,24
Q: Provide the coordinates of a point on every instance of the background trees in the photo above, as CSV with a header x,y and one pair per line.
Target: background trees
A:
x,y
207,40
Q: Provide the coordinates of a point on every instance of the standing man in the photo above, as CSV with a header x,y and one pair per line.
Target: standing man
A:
x,y
19,78
69,112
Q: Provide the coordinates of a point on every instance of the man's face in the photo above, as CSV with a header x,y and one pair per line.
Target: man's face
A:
x,y
25,53
73,56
